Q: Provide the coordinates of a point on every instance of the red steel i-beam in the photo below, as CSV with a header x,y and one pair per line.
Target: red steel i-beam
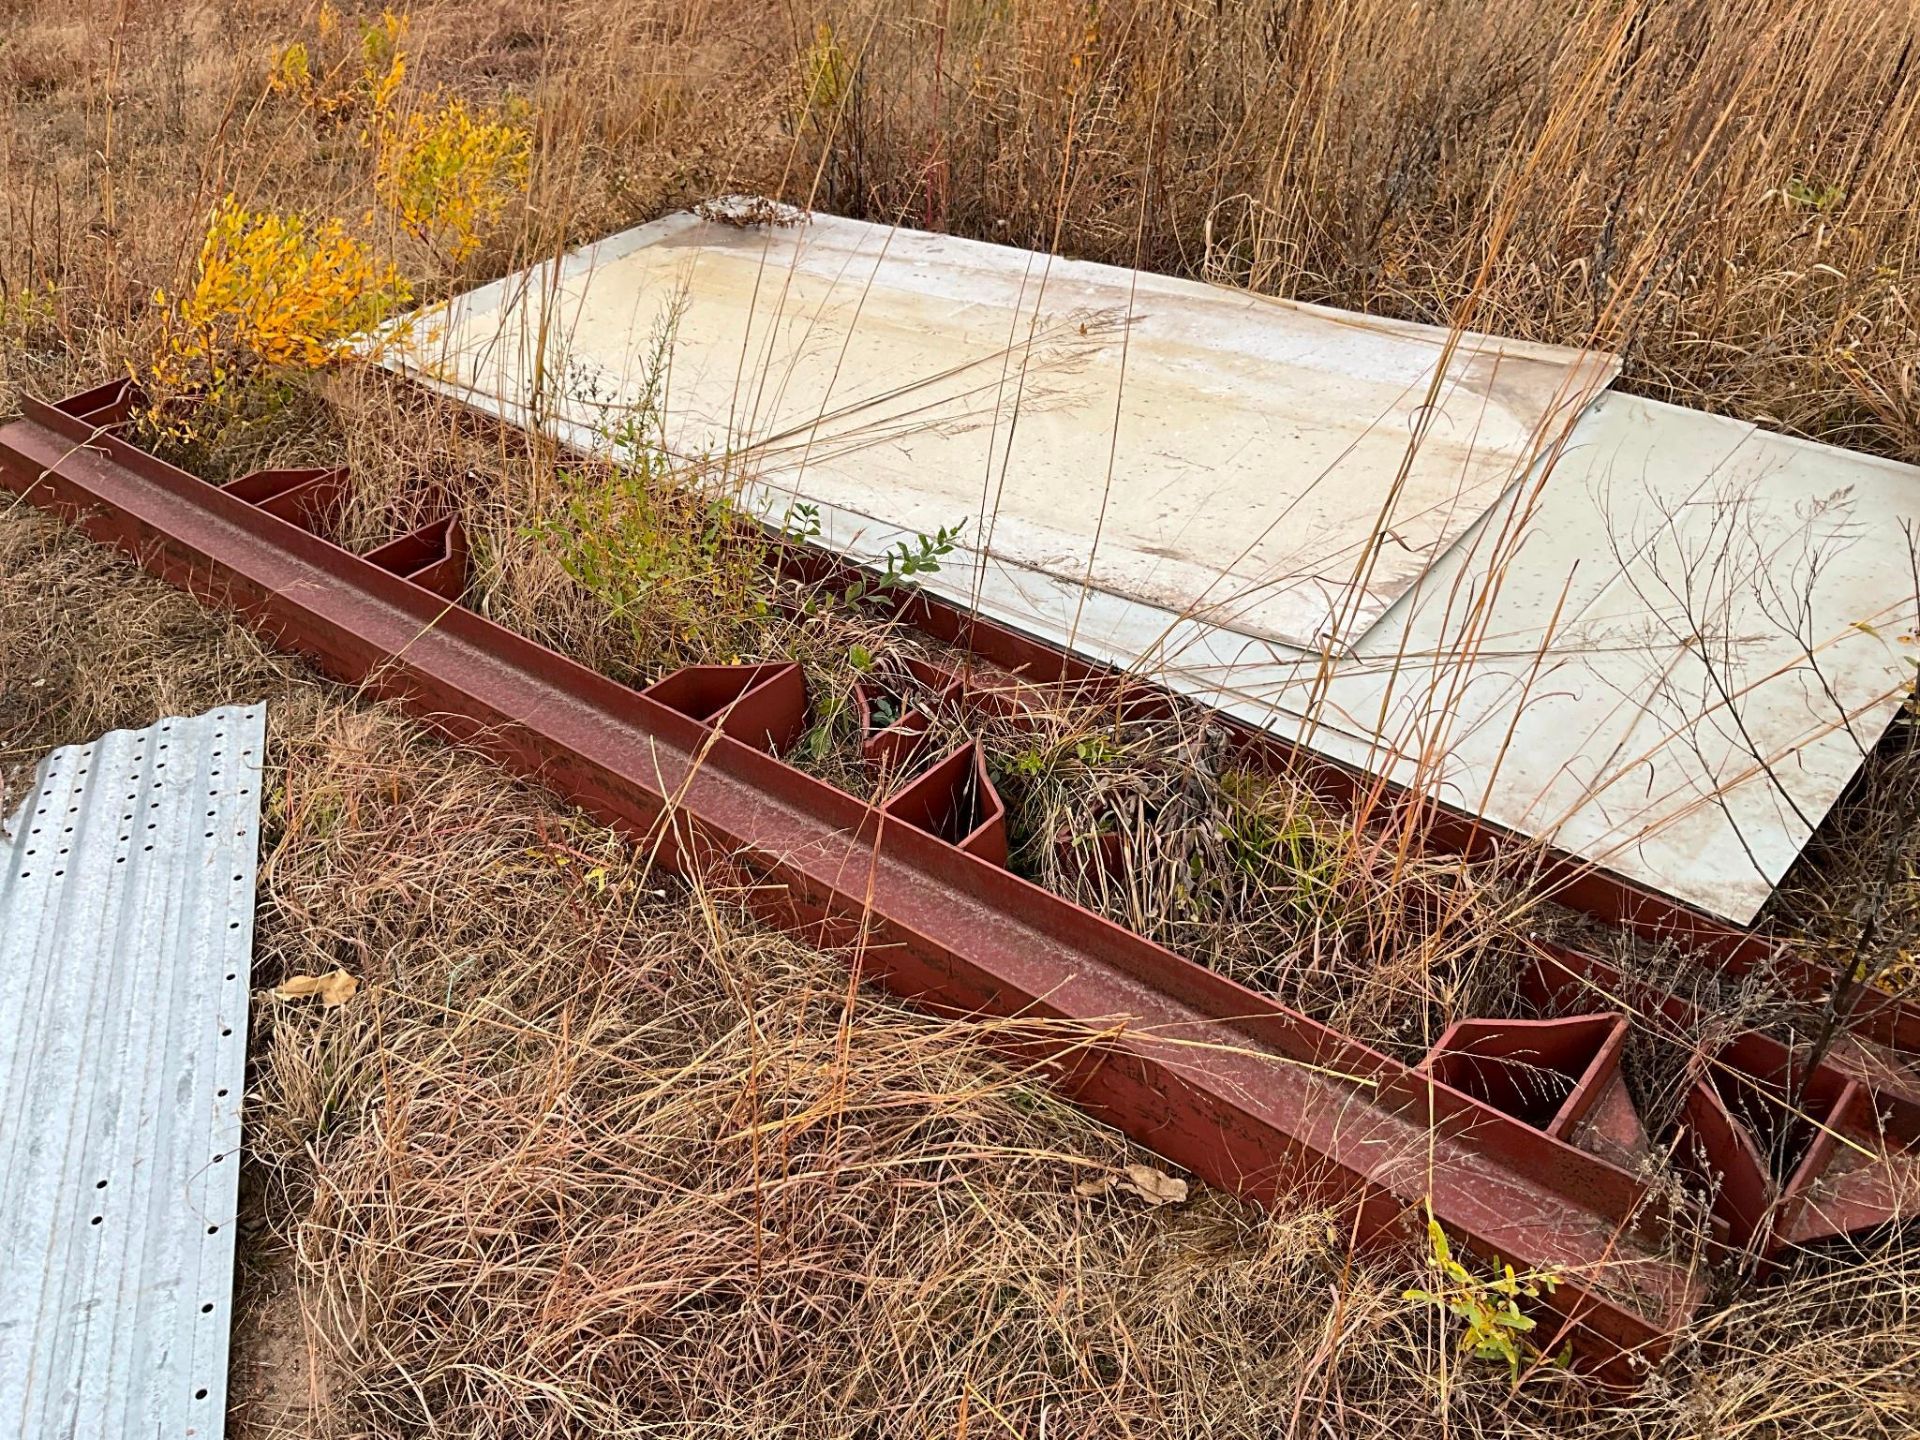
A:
x,y
1566,878
1249,1095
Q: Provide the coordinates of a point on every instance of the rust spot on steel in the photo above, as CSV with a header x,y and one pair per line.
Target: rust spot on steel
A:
x,y
1247,1094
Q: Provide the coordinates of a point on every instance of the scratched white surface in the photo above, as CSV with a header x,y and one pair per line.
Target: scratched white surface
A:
x,y
1665,644
1263,473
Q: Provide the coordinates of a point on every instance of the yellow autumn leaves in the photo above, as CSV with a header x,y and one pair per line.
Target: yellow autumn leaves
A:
x,y
343,74
445,173
274,291
448,176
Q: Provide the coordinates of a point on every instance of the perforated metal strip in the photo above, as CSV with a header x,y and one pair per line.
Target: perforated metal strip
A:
x,y
126,925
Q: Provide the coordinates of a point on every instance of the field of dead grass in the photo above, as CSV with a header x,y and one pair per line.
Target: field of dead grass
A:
x,y
1721,190
588,1155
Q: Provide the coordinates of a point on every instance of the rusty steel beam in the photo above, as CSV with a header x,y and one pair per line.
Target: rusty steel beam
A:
x,y
1570,880
1247,1094
1790,1155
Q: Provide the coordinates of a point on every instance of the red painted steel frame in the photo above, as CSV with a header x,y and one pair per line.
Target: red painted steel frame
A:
x,y
1855,1143
1571,881
1249,1095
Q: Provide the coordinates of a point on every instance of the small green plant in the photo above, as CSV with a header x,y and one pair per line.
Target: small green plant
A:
x,y
678,568
1094,750
1495,1328
1091,751
922,557
26,308
802,522
677,563
1032,764
817,743
1812,195
902,564
1270,836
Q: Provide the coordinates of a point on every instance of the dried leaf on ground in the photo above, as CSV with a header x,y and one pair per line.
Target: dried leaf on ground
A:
x,y
336,987
1156,1187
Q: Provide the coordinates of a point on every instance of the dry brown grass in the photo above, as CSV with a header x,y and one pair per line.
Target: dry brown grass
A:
x,y
587,1155
590,1156
1721,189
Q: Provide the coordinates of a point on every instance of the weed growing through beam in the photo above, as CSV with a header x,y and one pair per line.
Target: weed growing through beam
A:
x,y
1489,1310
675,568
670,560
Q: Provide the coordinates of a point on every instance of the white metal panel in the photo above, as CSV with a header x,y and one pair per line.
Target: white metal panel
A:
x,y
1700,633
1540,657
1240,457
126,926
1697,630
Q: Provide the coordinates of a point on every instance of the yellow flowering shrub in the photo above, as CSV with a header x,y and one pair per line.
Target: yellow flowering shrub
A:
x,y
447,175
271,293
292,71
383,64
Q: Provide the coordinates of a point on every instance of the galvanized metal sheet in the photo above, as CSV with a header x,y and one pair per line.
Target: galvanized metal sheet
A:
x,y
1238,456
126,925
